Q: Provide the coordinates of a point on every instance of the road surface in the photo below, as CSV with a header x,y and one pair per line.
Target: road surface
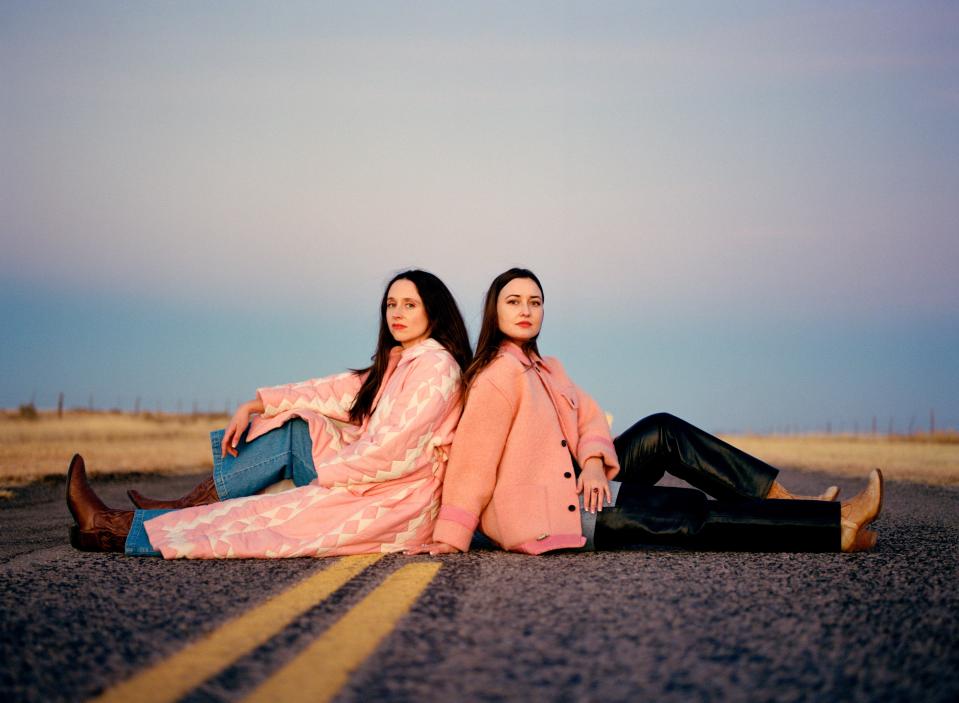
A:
x,y
656,625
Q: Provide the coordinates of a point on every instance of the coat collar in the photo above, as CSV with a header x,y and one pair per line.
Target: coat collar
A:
x,y
403,356
511,348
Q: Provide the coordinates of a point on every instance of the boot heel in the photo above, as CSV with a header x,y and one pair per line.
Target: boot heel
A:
x,y
83,541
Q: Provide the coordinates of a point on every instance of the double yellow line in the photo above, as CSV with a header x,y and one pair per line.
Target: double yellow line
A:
x,y
318,672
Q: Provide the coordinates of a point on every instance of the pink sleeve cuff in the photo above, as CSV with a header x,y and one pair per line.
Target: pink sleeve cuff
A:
x,y
271,397
588,439
463,517
453,532
598,446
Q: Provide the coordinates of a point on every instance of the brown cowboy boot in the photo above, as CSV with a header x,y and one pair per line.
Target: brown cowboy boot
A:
x,y
204,494
98,528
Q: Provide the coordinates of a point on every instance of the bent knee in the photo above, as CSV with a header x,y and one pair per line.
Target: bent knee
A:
x,y
650,428
662,418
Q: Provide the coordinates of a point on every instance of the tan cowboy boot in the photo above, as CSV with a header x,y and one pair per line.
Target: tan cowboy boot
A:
x,y
778,492
864,541
860,511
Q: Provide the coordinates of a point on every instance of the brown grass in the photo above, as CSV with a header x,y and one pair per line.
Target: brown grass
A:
x,y
179,444
110,443
921,458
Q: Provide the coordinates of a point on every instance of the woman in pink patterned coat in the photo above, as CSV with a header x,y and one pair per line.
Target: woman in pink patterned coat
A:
x,y
366,451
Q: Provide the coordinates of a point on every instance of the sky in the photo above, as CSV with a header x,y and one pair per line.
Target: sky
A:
x,y
743,213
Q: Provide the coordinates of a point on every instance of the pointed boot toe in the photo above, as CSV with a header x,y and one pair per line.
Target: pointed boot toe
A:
x,y
141,501
203,494
866,506
830,494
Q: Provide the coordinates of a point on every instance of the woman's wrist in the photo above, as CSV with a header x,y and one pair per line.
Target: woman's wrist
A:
x,y
594,463
254,406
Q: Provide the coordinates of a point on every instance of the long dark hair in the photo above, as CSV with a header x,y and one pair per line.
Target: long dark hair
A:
x,y
490,337
446,326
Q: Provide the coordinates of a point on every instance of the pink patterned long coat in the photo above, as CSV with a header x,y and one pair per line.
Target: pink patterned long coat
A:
x,y
378,485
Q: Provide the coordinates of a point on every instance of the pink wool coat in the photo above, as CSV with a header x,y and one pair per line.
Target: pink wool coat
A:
x,y
510,470
378,485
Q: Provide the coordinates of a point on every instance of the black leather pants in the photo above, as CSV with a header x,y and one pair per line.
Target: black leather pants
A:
x,y
741,520
683,517
663,443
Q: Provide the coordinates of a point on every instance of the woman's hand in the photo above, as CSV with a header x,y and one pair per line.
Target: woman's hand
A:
x,y
432,549
238,424
593,485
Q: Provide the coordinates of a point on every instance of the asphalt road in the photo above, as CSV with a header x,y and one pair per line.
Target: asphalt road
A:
x,y
657,625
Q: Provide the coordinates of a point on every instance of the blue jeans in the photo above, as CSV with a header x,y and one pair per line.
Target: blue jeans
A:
x,y
283,453
138,544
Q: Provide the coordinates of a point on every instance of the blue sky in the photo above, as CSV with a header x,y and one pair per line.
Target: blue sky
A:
x,y
744,213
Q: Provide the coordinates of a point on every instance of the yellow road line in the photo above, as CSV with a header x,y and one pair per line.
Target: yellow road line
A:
x,y
172,678
320,671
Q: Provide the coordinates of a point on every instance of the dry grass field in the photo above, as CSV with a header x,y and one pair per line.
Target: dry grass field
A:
x,y
921,458
31,449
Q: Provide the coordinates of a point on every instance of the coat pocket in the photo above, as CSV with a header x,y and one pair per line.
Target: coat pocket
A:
x,y
522,514
570,395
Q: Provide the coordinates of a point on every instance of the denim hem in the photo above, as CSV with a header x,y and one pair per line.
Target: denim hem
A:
x,y
216,445
138,542
307,473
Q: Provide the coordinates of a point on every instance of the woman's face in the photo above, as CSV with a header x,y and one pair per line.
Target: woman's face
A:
x,y
405,313
519,309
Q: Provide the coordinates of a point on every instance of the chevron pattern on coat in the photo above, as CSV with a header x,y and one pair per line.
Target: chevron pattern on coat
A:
x,y
378,485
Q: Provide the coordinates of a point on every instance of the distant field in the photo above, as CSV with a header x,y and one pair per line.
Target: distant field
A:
x,y
110,443
919,458
179,444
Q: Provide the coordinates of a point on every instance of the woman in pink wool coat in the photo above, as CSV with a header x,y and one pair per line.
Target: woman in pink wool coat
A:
x,y
533,461
366,451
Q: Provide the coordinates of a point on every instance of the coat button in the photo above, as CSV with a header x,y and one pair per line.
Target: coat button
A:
x,y
571,508
563,443
567,475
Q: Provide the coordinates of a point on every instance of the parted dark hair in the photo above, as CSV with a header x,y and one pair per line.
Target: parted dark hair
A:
x,y
446,326
490,337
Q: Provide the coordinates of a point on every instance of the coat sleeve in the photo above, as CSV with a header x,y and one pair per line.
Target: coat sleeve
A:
x,y
332,396
474,460
402,428
594,437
